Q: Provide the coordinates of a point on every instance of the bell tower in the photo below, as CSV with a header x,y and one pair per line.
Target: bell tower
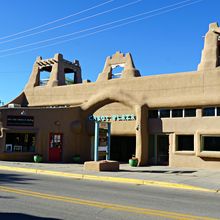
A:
x,y
122,60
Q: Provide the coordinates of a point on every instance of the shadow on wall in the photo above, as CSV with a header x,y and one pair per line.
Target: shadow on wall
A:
x,y
12,216
210,159
14,178
155,125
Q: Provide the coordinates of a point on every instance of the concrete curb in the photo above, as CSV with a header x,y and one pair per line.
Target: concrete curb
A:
x,y
107,179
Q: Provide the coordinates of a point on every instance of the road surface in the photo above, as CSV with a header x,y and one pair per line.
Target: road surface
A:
x,y
31,196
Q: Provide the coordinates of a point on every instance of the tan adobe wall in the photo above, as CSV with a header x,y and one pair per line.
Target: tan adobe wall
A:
x,y
182,89
45,121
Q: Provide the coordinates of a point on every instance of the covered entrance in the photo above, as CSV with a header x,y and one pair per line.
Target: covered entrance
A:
x,y
159,149
122,148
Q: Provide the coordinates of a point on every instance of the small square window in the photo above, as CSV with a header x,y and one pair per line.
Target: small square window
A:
x,y
185,142
177,113
190,112
210,111
165,113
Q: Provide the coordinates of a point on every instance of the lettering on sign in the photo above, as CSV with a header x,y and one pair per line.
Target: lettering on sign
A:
x,y
126,117
17,120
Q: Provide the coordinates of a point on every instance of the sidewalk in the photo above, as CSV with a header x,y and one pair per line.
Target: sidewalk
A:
x,y
162,176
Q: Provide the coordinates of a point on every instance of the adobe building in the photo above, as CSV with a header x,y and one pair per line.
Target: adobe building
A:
x,y
169,119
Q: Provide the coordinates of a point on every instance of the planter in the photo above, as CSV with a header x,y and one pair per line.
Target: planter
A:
x,y
133,162
76,159
38,158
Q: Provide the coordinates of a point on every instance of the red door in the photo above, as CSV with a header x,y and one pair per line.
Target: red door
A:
x,y
55,147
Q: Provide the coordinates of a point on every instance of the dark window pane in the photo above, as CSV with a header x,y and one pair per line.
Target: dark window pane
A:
x,y
208,111
153,113
218,111
177,113
211,143
190,112
164,113
185,142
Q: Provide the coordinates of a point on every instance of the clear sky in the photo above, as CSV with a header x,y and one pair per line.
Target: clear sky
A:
x,y
166,38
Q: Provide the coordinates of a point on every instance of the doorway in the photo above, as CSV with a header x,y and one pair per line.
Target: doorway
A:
x,y
159,149
122,148
55,147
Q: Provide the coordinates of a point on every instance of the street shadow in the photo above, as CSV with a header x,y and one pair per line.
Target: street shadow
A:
x,y
10,178
160,171
7,197
13,216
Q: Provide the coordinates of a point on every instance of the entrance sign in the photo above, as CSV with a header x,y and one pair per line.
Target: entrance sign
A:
x,y
102,140
113,118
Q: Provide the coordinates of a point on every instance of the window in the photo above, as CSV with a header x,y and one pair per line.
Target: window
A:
x,y
69,78
177,113
211,143
117,71
185,142
190,112
45,75
20,142
153,113
210,111
55,140
164,113
218,111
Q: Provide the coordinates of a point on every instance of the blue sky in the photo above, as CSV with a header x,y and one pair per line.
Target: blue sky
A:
x,y
161,43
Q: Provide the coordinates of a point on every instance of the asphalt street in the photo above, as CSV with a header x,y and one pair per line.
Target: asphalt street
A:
x,y
30,196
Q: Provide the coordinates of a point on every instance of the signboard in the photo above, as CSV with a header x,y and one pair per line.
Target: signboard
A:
x,y
125,117
102,141
17,120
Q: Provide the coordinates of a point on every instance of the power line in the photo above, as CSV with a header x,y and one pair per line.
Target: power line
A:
x,y
73,22
57,20
105,29
92,28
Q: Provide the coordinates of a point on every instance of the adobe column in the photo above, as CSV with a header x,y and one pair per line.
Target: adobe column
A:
x,y
141,134
56,70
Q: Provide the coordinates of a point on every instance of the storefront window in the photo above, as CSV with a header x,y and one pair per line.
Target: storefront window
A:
x,y
20,142
211,143
184,142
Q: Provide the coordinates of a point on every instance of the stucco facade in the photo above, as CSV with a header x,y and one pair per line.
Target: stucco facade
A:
x,y
177,116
